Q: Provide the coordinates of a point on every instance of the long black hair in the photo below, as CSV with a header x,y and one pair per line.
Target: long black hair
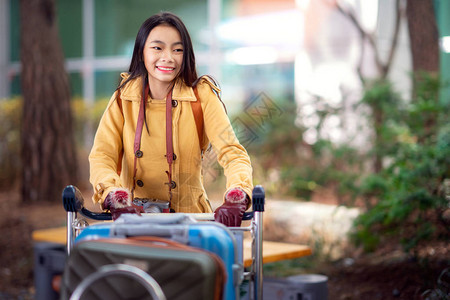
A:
x,y
137,67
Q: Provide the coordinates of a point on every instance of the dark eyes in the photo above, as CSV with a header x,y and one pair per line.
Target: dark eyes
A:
x,y
159,48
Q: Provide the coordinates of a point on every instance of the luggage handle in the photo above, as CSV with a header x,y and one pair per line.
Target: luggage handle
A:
x,y
158,240
149,239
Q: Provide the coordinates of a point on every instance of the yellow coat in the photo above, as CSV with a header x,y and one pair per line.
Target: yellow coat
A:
x,y
118,127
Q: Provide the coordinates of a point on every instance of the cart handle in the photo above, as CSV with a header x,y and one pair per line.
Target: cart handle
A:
x,y
73,201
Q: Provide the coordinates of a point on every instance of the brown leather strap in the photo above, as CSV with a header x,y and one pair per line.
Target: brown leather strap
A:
x,y
169,143
119,161
198,117
138,134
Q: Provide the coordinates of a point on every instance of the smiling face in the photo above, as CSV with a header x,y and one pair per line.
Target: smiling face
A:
x,y
163,57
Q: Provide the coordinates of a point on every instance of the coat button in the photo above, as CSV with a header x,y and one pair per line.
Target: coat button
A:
x,y
172,184
174,103
139,153
140,183
174,156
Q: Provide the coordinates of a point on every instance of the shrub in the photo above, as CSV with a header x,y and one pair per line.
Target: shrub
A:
x,y
10,120
85,119
411,189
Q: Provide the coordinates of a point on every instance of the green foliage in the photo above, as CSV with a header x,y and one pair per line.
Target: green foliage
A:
x,y
324,165
409,192
286,165
403,196
279,137
10,120
380,96
86,117
276,145
10,124
80,118
303,182
96,111
386,110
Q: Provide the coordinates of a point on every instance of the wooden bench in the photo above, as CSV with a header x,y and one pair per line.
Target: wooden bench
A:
x,y
272,251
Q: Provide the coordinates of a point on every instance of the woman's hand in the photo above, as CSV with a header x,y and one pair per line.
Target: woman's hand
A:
x,y
230,213
119,202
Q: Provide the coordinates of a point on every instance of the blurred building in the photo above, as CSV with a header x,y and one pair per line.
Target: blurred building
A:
x,y
249,46
98,38
291,50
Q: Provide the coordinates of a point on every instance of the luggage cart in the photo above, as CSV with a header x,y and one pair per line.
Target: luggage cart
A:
x,y
79,230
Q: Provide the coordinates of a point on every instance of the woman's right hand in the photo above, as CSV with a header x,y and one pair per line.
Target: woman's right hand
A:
x,y
119,202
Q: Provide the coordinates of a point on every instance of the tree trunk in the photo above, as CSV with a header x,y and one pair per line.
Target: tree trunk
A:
x,y
423,35
48,148
424,39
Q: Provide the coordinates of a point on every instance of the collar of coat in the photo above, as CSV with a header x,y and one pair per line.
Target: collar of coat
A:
x,y
181,92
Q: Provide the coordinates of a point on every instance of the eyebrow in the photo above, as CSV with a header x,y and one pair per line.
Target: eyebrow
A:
x,y
161,42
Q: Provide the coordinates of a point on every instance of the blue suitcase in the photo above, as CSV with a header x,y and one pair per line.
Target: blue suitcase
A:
x,y
210,236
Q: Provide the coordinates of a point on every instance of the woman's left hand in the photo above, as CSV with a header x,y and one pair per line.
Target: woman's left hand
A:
x,y
230,213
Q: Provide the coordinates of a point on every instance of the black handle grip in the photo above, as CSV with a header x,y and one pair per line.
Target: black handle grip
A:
x,y
73,200
258,198
248,215
103,216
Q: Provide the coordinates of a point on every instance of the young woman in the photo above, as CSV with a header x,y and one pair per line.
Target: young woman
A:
x,y
147,144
